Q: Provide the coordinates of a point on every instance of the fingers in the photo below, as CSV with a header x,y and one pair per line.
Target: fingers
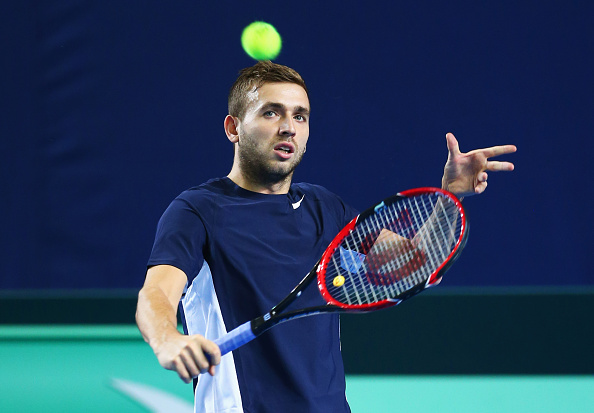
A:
x,y
497,166
480,188
213,354
190,356
182,370
498,150
194,360
453,147
201,356
466,173
187,364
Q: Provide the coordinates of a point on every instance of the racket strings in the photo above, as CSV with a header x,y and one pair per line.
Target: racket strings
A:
x,y
393,250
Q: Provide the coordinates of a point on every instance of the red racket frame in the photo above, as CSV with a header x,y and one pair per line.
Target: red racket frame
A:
x,y
433,279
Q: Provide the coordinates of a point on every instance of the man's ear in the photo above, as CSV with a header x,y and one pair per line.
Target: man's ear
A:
x,y
232,128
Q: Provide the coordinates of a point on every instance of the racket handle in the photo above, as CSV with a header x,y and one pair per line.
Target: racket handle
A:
x,y
235,338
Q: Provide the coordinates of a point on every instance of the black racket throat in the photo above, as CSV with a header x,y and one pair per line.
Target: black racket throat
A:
x,y
276,314
296,292
267,321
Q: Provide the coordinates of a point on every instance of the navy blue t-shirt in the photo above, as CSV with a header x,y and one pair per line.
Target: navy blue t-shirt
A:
x,y
257,247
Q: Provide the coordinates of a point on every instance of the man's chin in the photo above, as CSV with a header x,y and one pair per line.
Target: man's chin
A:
x,y
284,169
278,173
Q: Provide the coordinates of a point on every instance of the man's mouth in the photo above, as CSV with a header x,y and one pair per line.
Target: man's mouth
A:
x,y
285,147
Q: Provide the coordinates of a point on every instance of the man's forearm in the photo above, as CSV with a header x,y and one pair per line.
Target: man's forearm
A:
x,y
155,316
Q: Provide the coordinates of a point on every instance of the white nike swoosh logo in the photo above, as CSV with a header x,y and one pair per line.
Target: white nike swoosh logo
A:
x,y
298,203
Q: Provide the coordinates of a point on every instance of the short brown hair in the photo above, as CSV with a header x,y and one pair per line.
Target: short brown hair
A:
x,y
252,78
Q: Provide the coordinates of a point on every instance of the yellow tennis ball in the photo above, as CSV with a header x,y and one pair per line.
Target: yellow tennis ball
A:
x,y
261,41
338,281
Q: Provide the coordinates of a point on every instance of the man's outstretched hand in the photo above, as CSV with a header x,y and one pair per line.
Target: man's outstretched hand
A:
x,y
465,174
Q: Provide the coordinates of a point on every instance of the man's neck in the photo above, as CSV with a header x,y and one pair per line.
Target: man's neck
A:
x,y
271,188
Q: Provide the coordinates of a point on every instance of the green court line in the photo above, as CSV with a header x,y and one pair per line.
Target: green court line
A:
x,y
69,332
59,332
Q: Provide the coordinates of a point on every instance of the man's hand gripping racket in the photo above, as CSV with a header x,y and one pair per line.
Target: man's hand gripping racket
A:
x,y
387,254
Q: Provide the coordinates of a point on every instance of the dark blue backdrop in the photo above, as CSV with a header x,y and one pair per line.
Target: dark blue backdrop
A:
x,y
110,109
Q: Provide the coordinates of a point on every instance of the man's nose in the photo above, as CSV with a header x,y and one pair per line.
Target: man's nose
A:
x,y
287,127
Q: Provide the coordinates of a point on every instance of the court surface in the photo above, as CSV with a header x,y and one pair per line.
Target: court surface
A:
x,y
110,368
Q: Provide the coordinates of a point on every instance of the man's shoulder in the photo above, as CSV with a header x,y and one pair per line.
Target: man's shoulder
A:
x,y
208,190
325,197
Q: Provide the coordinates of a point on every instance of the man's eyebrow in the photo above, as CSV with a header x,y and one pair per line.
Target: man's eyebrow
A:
x,y
272,105
276,105
302,110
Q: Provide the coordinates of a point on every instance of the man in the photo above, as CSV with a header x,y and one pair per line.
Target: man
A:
x,y
233,247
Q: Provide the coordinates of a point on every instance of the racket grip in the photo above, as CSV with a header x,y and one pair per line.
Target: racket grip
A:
x,y
235,338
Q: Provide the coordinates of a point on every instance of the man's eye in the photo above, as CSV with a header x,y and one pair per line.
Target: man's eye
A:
x,y
299,117
269,113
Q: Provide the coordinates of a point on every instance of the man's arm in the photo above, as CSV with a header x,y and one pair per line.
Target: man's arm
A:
x,y
156,316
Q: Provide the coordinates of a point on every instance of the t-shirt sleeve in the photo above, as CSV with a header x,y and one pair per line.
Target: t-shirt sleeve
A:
x,y
180,239
349,213
342,211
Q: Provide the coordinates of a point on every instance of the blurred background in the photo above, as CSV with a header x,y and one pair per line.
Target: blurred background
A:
x,y
111,109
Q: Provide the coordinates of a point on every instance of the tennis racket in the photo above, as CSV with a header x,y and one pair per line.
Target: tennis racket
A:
x,y
387,254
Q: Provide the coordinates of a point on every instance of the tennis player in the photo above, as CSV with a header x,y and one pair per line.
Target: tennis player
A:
x,y
231,248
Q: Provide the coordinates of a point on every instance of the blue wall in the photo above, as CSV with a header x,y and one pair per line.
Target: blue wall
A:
x,y
110,109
